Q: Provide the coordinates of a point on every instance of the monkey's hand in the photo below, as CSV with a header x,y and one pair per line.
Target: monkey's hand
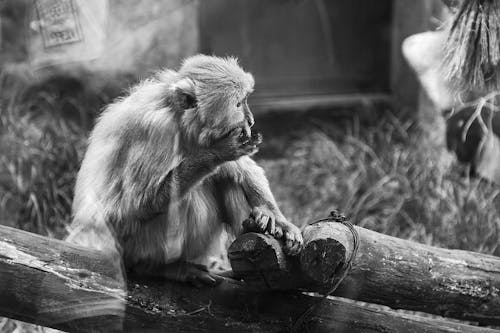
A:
x,y
292,235
263,220
236,144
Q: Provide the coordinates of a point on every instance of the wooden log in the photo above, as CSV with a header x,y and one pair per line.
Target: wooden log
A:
x,y
48,282
56,284
323,258
387,270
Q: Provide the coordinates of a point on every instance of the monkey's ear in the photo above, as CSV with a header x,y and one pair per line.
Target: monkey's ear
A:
x,y
184,91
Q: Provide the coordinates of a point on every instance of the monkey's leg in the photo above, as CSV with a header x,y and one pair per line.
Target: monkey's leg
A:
x,y
198,275
181,271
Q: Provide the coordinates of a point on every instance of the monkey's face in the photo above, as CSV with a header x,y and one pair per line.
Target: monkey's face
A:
x,y
222,115
239,114
223,107
220,88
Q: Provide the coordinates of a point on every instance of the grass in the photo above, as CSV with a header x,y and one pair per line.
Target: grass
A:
x,y
385,175
388,177
42,141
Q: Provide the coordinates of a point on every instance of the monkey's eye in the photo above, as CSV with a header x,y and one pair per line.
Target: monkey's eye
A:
x,y
238,105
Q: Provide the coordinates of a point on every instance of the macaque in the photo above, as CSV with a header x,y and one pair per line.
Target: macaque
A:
x,y
168,172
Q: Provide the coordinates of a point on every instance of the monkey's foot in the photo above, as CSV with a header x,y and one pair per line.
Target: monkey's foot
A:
x,y
195,274
264,221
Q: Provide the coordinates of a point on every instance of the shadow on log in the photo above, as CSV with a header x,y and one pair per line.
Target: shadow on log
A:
x,y
387,270
57,284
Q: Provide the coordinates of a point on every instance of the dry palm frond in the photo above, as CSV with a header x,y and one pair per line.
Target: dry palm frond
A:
x,y
472,51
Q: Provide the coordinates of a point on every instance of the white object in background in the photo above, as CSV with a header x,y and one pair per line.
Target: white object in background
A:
x,y
424,52
66,31
488,158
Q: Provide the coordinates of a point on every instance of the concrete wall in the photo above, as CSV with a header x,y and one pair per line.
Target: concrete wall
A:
x,y
115,36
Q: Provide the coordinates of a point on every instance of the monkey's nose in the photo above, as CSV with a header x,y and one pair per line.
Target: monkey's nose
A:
x,y
247,131
250,121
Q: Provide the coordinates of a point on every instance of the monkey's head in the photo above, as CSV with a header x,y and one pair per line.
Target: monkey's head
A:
x,y
214,94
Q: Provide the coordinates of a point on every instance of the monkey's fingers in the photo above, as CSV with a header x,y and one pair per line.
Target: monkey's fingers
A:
x,y
297,247
244,136
233,133
229,274
271,226
289,240
300,242
256,214
217,278
293,242
202,278
262,222
228,277
278,233
256,138
250,150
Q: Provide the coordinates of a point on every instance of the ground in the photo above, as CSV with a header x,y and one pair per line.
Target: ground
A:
x,y
382,173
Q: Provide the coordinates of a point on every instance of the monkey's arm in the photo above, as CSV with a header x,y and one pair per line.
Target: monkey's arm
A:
x,y
256,186
261,200
174,185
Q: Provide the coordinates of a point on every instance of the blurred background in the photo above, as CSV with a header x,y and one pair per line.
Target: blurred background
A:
x,y
346,122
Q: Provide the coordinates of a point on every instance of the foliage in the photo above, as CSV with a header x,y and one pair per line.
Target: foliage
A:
x,y
41,152
383,175
388,178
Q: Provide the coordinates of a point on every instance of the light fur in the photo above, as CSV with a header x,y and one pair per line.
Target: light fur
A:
x,y
140,140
